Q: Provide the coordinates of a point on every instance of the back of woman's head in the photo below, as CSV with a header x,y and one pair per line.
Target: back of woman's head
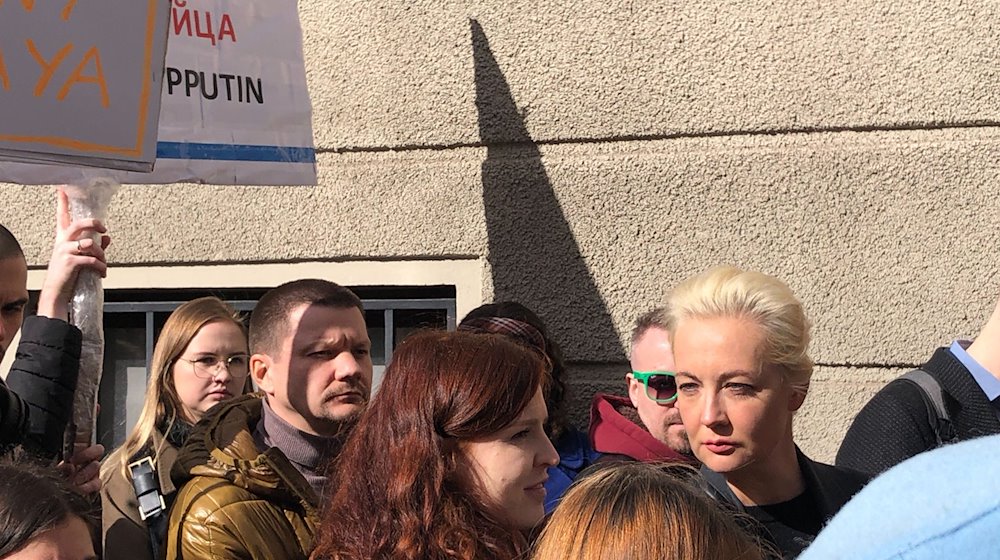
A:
x,y
556,391
35,499
639,511
402,489
162,406
727,291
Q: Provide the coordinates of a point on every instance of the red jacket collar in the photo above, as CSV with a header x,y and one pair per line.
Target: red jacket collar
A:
x,y
611,432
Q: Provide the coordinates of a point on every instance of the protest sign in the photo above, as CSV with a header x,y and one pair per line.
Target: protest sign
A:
x,y
235,106
80,83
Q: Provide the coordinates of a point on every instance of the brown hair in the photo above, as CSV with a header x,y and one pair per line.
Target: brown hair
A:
x,y
269,320
556,390
653,318
35,499
407,493
642,510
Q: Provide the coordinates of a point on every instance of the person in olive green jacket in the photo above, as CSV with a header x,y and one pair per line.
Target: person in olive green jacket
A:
x,y
252,472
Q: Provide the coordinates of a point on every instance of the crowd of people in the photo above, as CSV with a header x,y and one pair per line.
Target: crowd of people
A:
x,y
267,443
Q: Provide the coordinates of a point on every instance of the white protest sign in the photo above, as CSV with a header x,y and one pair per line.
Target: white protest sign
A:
x,y
80,82
235,107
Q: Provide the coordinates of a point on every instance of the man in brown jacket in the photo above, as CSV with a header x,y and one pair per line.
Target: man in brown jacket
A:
x,y
252,472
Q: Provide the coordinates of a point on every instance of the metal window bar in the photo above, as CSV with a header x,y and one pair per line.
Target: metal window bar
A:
x,y
149,308
150,341
248,305
389,340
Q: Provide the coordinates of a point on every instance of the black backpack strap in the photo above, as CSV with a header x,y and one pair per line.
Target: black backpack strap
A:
x,y
157,534
937,413
152,508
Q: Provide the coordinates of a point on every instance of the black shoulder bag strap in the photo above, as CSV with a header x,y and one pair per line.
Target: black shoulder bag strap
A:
x,y
152,508
937,414
718,489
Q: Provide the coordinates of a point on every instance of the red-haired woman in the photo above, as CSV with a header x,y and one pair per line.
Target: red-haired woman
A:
x,y
450,459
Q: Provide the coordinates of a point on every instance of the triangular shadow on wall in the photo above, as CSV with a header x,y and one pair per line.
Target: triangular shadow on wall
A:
x,y
533,254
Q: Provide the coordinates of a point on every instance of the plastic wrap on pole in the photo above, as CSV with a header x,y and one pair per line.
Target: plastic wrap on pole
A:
x,y
86,312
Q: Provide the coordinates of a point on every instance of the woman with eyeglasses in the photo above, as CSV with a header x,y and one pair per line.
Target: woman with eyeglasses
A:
x,y
200,359
450,459
741,342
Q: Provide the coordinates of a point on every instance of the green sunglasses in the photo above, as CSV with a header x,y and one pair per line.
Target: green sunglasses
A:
x,y
660,385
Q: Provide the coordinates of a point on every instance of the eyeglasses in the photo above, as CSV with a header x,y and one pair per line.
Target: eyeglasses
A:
x,y
207,366
660,385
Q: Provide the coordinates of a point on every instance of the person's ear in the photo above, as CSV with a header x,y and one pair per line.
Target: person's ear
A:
x,y
260,368
636,390
797,398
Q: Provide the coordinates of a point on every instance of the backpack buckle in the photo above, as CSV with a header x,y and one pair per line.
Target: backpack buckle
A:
x,y
147,488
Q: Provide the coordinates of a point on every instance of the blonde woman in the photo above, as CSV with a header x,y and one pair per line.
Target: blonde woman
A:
x,y
641,510
200,359
741,342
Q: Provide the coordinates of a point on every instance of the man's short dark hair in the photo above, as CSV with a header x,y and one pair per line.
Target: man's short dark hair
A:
x,y
652,318
9,247
269,320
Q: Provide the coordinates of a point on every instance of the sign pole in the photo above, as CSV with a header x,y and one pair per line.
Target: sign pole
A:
x,y
87,313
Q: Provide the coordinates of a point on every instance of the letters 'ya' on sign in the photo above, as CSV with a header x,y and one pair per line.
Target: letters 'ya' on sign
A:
x,y
80,81
235,108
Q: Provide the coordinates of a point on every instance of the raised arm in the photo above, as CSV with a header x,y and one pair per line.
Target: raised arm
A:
x,y
46,367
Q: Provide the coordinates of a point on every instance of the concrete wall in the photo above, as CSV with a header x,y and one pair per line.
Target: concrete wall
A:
x,y
588,155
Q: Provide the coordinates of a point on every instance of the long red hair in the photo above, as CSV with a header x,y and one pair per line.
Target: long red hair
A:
x,y
400,488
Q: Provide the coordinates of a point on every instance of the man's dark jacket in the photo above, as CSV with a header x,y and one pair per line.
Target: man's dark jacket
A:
x,y
895,424
37,400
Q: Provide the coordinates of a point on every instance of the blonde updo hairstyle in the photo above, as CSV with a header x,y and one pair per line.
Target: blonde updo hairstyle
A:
x,y
726,291
642,510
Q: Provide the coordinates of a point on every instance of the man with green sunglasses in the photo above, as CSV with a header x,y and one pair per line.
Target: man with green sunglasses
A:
x,y
646,426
